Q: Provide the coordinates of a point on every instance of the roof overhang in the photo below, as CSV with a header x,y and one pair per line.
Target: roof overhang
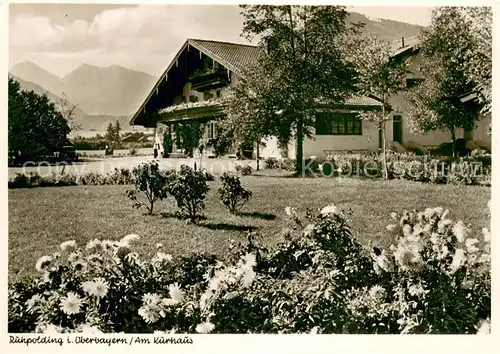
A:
x,y
164,76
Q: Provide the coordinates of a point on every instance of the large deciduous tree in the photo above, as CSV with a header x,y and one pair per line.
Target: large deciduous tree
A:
x,y
435,104
477,60
36,128
68,111
380,74
303,59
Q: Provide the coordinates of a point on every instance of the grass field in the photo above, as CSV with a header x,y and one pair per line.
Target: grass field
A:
x,y
41,218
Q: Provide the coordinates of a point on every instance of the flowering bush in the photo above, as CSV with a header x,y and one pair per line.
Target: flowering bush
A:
x,y
435,278
151,182
231,192
189,188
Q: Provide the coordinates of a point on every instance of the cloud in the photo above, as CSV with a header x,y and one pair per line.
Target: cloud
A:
x,y
140,34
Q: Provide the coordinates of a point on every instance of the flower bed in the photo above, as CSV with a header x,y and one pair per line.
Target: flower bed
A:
x,y
474,170
118,176
434,279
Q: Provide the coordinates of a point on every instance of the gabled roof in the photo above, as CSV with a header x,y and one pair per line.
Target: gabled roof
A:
x,y
237,57
233,56
410,43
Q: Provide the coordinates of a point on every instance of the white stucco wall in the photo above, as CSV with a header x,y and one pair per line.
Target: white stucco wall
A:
x,y
316,146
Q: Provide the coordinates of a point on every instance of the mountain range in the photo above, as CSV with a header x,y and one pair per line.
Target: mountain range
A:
x,y
104,94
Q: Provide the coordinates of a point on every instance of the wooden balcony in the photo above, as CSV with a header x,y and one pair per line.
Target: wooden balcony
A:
x,y
206,80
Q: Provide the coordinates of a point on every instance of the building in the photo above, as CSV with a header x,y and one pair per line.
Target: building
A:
x,y
197,80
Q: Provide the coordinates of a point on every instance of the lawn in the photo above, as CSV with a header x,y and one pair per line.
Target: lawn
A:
x,y
41,218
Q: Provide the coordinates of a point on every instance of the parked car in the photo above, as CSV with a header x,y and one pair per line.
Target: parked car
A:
x,y
68,153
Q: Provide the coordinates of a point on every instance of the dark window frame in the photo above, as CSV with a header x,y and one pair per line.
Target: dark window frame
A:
x,y
338,123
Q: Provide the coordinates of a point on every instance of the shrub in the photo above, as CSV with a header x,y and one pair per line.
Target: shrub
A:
x,y
189,188
435,278
271,163
109,150
151,182
21,181
287,164
232,194
245,170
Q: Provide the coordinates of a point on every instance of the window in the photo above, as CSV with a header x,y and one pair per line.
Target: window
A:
x,y
211,130
336,123
397,129
207,95
193,98
412,82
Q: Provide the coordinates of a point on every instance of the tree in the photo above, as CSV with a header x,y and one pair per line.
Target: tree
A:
x,y
67,109
36,128
435,103
113,134
188,135
305,60
382,75
477,62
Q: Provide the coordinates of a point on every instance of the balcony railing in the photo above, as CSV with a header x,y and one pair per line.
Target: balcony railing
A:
x,y
209,79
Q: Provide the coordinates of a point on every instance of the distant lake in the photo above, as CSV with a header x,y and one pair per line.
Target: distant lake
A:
x,y
91,133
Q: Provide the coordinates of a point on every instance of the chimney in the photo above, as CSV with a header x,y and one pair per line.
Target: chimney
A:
x,y
402,42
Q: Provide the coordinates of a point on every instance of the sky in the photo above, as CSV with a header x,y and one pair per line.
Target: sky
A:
x,y
60,37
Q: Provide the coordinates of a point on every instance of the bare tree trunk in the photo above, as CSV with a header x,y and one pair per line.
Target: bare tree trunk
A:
x,y
453,139
258,146
300,147
384,152
384,155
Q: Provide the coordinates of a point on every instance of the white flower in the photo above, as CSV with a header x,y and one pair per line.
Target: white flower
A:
x,y
248,278
250,260
459,231
394,216
98,287
470,243
458,259
484,327
416,290
159,245
169,302
130,238
68,246
71,304
486,234
43,263
30,303
291,212
175,292
407,230
151,299
162,257
314,330
94,246
309,230
205,327
148,314
377,291
392,227
434,238
328,210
